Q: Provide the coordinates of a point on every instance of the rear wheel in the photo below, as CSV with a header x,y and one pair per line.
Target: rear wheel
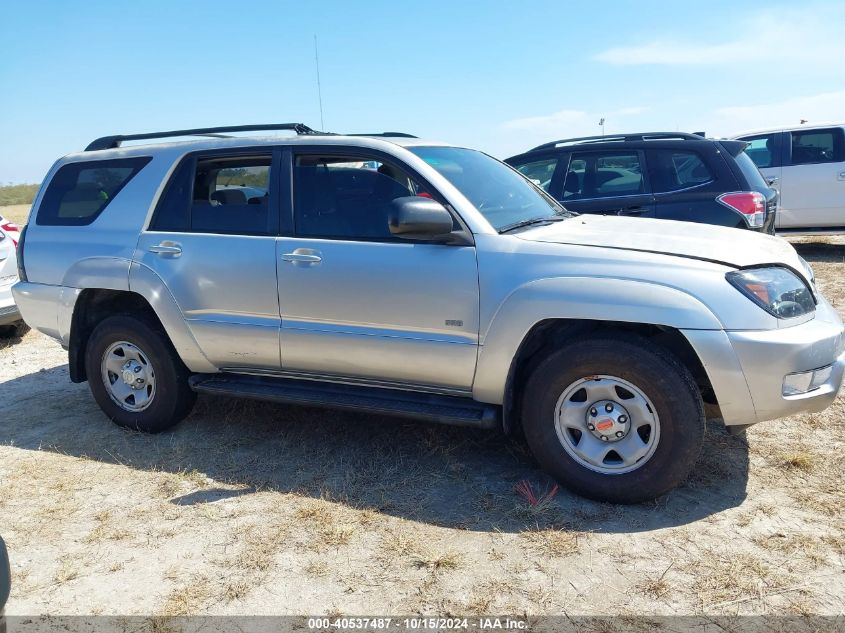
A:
x,y
136,376
614,418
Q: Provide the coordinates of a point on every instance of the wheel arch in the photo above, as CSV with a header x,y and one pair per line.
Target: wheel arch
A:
x,y
551,310
550,334
92,305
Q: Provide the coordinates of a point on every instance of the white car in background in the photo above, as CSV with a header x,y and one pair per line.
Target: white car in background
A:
x,y
10,318
806,164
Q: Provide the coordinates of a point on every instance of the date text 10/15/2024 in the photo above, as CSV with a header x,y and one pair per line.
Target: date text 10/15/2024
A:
x,y
418,623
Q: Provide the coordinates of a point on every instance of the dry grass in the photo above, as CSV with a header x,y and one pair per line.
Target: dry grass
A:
x,y
69,569
17,213
800,460
553,543
190,598
435,561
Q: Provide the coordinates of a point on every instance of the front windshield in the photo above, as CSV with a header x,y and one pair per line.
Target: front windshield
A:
x,y
503,196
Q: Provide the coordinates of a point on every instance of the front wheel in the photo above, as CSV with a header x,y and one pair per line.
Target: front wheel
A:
x,y
136,376
614,418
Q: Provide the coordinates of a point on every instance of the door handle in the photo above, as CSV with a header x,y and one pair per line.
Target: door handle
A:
x,y
166,249
841,175
302,256
632,211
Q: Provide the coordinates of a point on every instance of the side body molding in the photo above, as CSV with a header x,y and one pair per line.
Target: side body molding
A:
x,y
593,298
150,286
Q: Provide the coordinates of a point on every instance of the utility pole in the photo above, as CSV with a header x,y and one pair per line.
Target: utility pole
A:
x,y
601,123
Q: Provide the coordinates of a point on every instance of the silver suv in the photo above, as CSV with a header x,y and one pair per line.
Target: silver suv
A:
x,y
388,274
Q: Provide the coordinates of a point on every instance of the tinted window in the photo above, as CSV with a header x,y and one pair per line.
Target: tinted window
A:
x,y
218,195
818,146
603,175
172,212
500,194
79,192
539,172
348,197
755,179
671,170
761,149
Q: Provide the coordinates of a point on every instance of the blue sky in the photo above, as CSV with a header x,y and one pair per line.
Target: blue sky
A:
x,y
499,76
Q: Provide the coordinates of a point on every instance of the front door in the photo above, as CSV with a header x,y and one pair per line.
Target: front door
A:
x,y
609,182
357,302
212,242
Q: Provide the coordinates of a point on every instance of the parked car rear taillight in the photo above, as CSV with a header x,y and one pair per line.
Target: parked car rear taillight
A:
x,y
750,204
12,230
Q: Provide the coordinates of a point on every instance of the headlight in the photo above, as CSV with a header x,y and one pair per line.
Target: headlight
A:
x,y
779,291
809,272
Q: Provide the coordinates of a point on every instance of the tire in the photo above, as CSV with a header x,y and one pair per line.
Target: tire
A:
x,y
663,431
163,397
15,330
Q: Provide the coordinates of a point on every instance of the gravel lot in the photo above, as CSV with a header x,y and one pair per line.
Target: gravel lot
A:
x,y
250,508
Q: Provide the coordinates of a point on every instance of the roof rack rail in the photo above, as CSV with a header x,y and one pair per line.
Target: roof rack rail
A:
x,y
639,136
112,142
388,134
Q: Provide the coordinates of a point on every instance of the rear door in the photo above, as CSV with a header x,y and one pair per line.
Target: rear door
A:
x,y
812,184
610,182
212,243
686,183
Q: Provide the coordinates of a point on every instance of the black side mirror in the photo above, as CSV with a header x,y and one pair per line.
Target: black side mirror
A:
x,y
419,218
5,576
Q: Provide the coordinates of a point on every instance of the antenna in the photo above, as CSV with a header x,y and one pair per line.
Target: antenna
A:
x,y
319,88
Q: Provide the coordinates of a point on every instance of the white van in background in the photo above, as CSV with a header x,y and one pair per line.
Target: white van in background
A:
x,y
806,164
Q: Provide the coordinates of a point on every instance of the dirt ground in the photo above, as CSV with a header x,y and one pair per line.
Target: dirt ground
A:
x,y
250,508
17,213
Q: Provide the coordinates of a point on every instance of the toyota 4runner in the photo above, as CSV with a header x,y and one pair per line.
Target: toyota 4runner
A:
x,y
393,275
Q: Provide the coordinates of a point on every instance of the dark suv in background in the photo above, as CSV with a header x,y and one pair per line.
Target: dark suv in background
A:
x,y
667,175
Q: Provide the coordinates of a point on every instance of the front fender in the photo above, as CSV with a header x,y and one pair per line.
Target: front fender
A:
x,y
584,298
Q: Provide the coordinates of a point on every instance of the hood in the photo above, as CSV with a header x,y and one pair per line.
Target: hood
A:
x,y
722,245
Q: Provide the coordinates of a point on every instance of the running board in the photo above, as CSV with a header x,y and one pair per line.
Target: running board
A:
x,y
422,406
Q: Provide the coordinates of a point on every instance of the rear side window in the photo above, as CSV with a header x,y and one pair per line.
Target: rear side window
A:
x,y
755,179
539,172
673,170
818,146
603,175
79,192
222,194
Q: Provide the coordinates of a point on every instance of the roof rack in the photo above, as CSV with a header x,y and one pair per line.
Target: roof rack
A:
x,y
111,142
639,136
388,134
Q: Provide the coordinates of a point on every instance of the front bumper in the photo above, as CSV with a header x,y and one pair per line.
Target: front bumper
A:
x,y
747,368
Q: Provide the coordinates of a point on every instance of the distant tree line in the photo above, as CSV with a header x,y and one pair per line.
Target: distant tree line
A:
x,y
17,194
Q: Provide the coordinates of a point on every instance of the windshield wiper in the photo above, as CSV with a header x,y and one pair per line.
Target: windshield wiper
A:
x,y
523,223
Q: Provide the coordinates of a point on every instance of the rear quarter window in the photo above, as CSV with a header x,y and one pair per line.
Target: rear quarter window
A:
x,y
79,192
749,170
